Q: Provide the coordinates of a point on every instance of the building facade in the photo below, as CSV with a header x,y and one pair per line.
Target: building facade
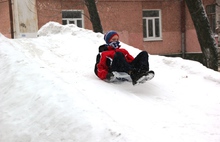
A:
x,y
158,26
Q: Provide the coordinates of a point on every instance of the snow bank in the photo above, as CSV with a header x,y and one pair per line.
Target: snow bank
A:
x,y
49,92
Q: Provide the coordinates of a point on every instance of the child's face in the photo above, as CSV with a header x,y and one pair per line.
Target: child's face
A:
x,y
114,38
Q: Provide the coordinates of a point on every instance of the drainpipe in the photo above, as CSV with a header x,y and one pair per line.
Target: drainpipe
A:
x,y
11,18
183,27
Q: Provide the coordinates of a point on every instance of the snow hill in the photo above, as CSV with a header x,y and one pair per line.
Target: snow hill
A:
x,y
49,93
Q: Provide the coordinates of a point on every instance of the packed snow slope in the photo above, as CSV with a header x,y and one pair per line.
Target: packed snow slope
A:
x,y
49,93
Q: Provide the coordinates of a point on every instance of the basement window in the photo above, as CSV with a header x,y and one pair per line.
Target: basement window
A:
x,y
152,25
73,17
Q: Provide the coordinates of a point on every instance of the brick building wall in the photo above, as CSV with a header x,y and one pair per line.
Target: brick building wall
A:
x,y
171,31
124,16
5,18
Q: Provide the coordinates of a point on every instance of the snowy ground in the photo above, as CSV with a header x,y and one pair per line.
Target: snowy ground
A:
x,y
49,93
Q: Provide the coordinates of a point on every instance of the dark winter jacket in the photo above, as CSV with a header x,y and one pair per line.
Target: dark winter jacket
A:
x,y
105,57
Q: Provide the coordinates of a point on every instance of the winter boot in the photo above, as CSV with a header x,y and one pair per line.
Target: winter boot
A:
x,y
135,76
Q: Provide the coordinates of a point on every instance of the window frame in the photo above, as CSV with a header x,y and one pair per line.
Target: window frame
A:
x,y
147,19
68,20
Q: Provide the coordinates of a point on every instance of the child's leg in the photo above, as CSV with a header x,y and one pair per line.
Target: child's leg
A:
x,y
141,61
120,64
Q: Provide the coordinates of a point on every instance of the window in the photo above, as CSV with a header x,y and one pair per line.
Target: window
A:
x,y
210,10
73,17
152,25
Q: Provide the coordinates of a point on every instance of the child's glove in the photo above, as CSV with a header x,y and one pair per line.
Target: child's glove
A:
x,y
110,77
114,44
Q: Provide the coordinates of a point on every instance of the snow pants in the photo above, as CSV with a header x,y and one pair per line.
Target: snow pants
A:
x,y
140,63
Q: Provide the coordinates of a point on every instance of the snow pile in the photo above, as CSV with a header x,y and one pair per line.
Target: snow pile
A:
x,y
49,92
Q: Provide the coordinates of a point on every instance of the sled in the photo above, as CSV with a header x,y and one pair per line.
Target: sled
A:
x,y
122,76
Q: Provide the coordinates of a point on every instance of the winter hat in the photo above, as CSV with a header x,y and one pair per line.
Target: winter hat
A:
x,y
109,35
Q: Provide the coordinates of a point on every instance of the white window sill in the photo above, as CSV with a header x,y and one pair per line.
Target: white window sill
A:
x,y
152,39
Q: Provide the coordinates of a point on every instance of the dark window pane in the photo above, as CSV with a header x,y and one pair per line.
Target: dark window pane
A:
x,y
64,22
71,22
210,8
212,23
150,28
144,28
71,14
157,28
152,13
211,14
79,23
